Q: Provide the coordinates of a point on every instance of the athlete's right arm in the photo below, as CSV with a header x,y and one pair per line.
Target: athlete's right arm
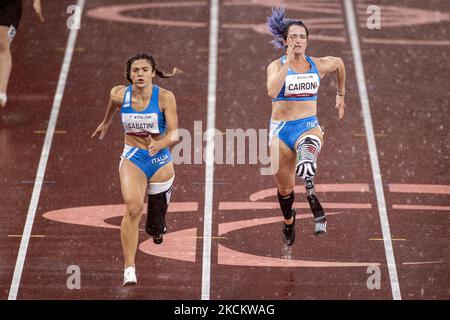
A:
x,y
276,75
115,101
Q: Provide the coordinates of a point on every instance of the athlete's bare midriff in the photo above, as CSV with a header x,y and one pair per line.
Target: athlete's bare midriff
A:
x,y
293,110
141,142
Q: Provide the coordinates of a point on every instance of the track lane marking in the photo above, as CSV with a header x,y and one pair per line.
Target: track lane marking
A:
x,y
376,172
210,137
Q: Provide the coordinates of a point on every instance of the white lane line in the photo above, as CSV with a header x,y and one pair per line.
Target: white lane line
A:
x,y
353,32
43,160
209,160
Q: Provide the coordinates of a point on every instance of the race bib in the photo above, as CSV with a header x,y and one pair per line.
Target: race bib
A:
x,y
140,124
301,85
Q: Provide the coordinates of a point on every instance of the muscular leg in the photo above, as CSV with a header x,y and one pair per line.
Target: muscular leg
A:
x,y
285,175
163,174
133,183
283,163
5,63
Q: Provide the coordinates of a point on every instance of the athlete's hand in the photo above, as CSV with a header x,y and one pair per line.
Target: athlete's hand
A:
x,y
154,147
37,7
289,55
340,105
102,129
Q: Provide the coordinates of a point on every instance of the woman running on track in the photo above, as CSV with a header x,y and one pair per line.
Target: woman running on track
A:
x,y
150,123
10,14
295,135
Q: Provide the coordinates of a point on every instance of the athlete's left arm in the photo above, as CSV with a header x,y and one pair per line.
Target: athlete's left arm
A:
x,y
169,106
328,65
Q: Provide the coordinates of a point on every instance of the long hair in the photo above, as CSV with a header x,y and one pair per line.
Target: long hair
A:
x,y
279,26
151,60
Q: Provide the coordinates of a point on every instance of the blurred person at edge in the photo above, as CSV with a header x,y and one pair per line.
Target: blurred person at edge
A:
x,y
10,14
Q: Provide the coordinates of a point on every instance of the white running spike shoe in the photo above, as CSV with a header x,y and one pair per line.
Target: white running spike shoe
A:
x,y
3,99
129,276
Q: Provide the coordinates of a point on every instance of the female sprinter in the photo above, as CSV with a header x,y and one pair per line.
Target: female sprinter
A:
x,y
295,135
150,124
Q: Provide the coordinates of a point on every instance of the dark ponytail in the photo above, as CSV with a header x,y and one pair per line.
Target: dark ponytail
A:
x,y
151,60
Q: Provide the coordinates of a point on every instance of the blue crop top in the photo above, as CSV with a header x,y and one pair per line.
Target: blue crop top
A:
x,y
142,123
300,86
